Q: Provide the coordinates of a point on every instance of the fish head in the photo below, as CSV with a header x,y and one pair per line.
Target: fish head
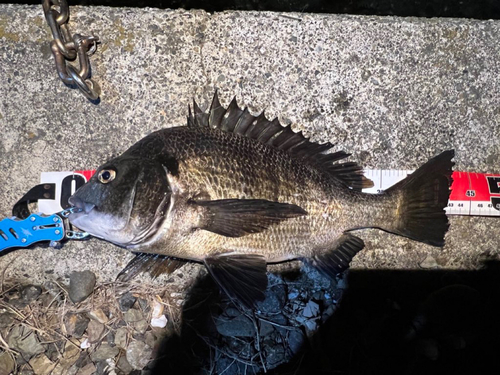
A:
x,y
124,202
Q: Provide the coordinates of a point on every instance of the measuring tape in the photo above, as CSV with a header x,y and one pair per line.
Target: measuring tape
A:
x,y
475,194
471,193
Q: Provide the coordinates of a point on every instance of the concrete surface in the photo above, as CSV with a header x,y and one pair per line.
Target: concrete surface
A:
x,y
393,91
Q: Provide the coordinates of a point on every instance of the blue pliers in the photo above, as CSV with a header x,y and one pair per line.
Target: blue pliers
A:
x,y
55,228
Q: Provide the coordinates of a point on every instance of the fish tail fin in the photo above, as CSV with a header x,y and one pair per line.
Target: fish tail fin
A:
x,y
421,198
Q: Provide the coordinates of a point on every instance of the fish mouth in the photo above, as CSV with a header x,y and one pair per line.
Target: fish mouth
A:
x,y
85,207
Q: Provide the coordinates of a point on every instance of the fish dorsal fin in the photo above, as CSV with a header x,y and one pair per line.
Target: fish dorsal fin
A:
x,y
233,119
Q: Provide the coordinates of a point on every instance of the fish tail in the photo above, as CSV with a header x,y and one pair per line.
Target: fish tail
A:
x,y
421,199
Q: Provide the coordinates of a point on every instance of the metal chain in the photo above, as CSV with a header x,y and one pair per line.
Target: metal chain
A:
x,y
66,48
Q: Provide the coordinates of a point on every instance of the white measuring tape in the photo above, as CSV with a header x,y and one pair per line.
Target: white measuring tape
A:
x,y
475,194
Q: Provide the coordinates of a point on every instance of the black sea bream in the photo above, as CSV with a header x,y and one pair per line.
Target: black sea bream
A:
x,y
235,192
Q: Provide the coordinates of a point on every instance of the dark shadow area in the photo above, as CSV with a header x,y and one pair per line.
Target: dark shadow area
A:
x,y
480,9
388,322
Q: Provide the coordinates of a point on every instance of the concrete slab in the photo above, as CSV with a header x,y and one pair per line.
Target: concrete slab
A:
x,y
393,91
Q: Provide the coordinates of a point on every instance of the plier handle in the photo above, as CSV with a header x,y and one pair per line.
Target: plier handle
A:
x,y
36,228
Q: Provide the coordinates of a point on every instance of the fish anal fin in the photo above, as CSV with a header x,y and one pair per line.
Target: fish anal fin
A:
x,y
241,276
155,264
234,119
337,260
240,217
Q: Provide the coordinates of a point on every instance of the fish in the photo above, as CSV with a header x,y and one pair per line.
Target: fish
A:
x,y
236,192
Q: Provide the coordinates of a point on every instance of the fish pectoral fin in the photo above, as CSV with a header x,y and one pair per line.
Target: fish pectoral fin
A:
x,y
153,263
241,276
239,217
338,259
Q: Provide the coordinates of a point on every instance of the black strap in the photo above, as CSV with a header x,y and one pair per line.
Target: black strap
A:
x,y
42,191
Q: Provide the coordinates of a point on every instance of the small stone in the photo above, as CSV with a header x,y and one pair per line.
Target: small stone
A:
x,y
311,310
18,303
238,326
132,316
89,369
150,339
41,365
274,300
25,341
429,263
83,360
98,315
141,326
31,293
157,309
7,363
85,344
103,352
124,365
110,337
75,324
144,305
160,322
138,354
311,327
6,319
95,331
106,367
71,351
126,301
295,341
265,328
81,285
121,337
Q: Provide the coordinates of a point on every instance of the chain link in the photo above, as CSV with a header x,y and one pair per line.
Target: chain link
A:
x,y
67,48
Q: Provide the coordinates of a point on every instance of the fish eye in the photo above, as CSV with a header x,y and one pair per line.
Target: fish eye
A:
x,y
106,175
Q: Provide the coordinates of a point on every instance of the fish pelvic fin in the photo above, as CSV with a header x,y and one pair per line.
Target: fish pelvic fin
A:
x,y
421,199
241,276
153,263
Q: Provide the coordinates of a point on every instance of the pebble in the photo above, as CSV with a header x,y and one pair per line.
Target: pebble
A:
x,y
295,340
6,319
160,322
121,337
25,341
103,352
99,316
85,344
124,365
429,263
311,310
41,365
141,326
126,301
31,293
138,354
81,285
150,339
71,351
76,324
95,331
238,326
265,328
7,363
132,316
110,338
89,369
